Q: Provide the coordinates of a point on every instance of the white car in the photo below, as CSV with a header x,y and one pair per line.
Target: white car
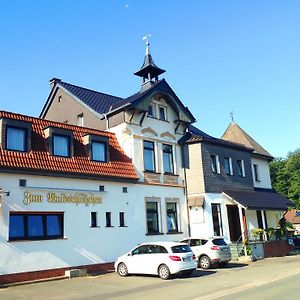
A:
x,y
159,258
212,250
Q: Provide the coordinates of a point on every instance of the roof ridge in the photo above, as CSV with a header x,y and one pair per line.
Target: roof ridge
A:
x,y
90,90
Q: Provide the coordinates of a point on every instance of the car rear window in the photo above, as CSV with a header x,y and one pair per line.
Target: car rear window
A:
x,y
219,242
181,249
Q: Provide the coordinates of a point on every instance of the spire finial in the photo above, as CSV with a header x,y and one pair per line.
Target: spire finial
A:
x,y
231,116
146,38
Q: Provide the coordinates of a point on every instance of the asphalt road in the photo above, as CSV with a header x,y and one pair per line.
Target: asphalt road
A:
x,y
266,279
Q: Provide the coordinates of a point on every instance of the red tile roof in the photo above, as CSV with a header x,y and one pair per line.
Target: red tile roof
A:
x,y
38,159
293,216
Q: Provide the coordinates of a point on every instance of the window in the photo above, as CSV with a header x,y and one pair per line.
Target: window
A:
x,y
172,218
241,168
168,159
22,182
35,226
228,166
256,174
125,189
214,162
94,219
98,151
61,145
149,157
152,217
101,188
217,219
16,138
108,219
151,110
162,113
122,219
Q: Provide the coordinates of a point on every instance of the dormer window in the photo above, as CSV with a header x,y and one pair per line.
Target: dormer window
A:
x,y
61,145
59,141
162,113
151,110
15,135
97,147
16,138
98,150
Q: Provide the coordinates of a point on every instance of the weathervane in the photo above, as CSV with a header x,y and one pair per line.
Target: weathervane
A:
x,y
231,116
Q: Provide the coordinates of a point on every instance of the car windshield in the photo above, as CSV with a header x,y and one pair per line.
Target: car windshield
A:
x,y
219,242
181,249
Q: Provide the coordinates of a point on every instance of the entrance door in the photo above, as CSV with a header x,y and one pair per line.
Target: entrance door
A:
x,y
234,222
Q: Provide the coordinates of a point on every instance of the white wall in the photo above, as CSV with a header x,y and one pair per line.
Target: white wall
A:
x,y
263,173
82,244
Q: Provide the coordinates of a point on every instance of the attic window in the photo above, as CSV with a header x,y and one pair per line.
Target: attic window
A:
x,y
162,113
60,141
151,110
59,98
15,135
61,145
97,147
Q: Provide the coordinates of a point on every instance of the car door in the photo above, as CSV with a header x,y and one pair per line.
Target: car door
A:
x,y
196,245
138,260
157,255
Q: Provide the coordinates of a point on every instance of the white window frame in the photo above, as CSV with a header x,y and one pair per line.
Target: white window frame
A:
x,y
158,202
229,165
256,173
165,112
218,171
177,203
153,105
243,167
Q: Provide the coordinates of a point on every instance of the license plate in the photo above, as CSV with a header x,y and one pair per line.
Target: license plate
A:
x,y
187,258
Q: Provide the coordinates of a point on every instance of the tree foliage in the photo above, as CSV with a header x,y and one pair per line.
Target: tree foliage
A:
x,y
285,176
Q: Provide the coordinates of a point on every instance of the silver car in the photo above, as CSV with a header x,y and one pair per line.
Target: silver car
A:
x,y
209,251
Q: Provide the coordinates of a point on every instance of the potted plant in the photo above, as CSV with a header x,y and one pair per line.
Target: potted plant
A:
x,y
257,234
270,231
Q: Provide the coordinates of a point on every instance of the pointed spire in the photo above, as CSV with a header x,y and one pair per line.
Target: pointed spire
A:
x,y
149,70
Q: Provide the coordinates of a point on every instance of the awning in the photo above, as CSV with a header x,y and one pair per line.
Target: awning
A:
x,y
262,199
195,201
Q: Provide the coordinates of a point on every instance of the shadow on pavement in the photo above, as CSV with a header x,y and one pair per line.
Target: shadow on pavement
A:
x,y
230,266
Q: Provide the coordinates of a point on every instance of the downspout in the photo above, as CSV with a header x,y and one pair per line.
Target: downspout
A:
x,y
185,191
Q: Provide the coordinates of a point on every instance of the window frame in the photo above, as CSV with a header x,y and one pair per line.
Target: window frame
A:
x,y
165,113
68,138
153,156
25,137
256,173
230,170
45,228
170,156
94,219
158,215
92,151
153,108
214,158
108,219
176,203
23,125
217,219
241,168
122,219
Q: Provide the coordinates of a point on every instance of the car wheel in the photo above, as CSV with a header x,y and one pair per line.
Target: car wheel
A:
x,y
122,269
204,262
164,272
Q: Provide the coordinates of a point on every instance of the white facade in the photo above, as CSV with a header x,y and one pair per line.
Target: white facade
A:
x,y
82,244
262,179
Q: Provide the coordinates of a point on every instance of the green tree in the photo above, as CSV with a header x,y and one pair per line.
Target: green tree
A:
x,y
285,176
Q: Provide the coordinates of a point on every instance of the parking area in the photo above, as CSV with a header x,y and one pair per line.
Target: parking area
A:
x,y
203,284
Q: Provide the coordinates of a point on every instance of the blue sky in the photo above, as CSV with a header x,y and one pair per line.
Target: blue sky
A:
x,y
220,56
